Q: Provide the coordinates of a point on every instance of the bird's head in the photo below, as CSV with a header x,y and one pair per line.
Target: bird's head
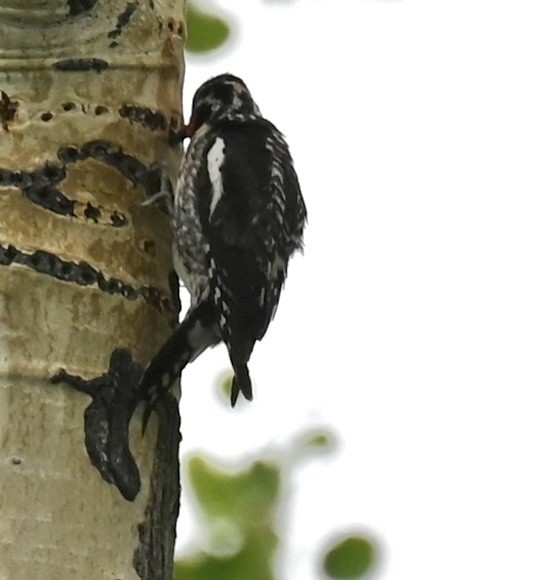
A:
x,y
218,97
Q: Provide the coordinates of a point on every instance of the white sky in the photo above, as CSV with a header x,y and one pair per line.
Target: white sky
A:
x,y
411,324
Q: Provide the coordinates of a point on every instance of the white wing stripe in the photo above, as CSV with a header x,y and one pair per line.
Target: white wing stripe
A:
x,y
216,157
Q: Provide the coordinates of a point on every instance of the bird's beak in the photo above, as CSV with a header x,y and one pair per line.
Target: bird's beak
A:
x,y
189,130
175,138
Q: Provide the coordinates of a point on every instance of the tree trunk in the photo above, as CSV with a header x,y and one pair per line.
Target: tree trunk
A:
x,y
90,90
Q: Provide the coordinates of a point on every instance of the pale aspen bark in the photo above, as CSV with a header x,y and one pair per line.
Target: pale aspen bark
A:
x,y
90,90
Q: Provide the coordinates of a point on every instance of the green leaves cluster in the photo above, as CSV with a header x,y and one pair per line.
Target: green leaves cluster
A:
x,y
239,510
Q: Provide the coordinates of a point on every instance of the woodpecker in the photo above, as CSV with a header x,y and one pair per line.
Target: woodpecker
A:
x,y
238,216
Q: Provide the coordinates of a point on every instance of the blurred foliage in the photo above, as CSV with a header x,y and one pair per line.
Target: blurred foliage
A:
x,y
239,511
350,558
322,440
205,31
225,387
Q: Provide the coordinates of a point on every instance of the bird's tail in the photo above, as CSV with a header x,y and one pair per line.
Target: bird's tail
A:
x,y
241,383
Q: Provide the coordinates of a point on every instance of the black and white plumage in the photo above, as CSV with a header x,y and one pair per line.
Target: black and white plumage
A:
x,y
238,216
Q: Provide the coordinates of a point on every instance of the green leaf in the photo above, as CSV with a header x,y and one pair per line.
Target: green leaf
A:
x,y
239,511
350,558
252,564
321,440
238,495
205,31
225,388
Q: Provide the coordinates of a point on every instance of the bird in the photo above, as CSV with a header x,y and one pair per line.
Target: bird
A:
x,y
237,215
